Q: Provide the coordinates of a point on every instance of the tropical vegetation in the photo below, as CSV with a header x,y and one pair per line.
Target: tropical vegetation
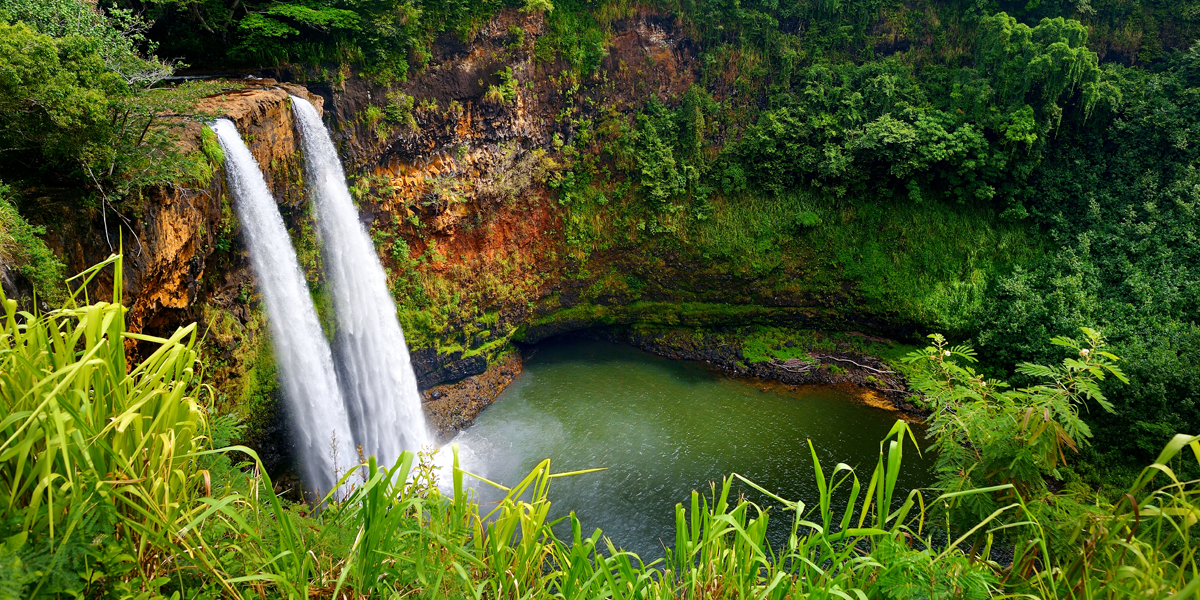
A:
x,y
1020,176
115,483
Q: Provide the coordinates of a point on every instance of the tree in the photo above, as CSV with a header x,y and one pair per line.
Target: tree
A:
x,y
56,99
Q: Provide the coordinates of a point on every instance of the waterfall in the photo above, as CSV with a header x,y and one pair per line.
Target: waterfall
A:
x,y
305,363
376,374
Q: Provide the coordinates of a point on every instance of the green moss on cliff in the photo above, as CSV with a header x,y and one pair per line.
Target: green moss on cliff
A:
x,y
22,250
239,361
687,314
764,344
260,392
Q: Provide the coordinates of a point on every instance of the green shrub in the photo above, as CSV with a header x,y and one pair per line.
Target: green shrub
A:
x,y
516,37
506,92
76,105
399,110
23,251
988,435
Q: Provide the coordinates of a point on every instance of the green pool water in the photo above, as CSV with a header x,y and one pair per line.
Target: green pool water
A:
x,y
664,428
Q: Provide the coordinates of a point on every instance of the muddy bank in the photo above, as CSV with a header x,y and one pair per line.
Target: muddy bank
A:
x,y
791,361
452,407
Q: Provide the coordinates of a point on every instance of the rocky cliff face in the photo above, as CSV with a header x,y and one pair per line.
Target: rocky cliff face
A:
x,y
183,234
454,169
457,168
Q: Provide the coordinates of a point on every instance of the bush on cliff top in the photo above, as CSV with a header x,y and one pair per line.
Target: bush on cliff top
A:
x,y
79,106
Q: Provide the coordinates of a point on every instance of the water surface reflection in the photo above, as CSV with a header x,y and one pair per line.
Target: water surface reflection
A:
x,y
664,428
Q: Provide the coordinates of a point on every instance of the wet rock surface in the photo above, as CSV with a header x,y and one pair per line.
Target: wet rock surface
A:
x,y
453,407
432,368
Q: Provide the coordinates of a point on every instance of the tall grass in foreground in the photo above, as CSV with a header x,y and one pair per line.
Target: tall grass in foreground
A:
x,y
1144,546
411,539
109,488
92,447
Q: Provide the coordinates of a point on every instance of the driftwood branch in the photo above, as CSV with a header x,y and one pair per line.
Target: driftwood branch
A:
x,y
803,370
790,365
846,360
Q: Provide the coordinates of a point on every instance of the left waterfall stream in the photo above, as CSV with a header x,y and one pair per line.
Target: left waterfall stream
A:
x,y
320,424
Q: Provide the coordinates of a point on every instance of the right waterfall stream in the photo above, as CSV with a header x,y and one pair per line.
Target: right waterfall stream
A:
x,y
372,356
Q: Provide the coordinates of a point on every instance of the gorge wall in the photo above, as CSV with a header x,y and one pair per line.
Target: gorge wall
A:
x,y
458,184
458,172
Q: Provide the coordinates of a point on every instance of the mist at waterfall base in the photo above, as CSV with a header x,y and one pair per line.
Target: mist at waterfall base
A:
x,y
664,428
320,424
372,356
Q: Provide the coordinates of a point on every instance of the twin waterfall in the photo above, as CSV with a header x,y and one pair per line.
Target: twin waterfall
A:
x,y
364,393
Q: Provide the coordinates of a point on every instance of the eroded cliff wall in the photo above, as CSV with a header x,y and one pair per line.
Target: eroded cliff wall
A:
x,y
458,173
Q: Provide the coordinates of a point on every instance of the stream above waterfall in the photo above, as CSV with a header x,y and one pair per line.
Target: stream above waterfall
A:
x,y
663,428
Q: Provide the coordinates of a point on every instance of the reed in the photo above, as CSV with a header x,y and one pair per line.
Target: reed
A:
x,y
84,435
1143,545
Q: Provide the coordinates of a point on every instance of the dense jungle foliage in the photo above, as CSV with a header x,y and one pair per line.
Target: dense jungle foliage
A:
x,y
1014,114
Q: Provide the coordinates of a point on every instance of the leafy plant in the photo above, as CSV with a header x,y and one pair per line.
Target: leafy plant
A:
x,y
988,435
21,250
399,110
506,92
86,436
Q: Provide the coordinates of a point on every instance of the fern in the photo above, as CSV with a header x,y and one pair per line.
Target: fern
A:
x,y
987,434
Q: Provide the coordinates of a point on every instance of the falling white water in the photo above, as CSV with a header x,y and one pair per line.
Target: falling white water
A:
x,y
377,376
310,388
